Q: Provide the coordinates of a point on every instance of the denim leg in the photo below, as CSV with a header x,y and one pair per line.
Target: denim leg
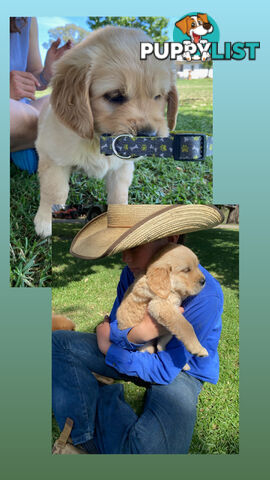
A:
x,y
75,390
165,426
100,412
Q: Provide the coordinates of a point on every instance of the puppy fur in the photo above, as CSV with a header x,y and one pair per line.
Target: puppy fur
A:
x,y
100,86
172,276
60,322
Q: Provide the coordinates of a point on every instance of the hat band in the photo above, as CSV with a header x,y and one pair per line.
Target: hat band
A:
x,y
126,216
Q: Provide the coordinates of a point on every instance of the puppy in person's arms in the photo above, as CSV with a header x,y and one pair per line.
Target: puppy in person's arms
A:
x,y
100,86
171,276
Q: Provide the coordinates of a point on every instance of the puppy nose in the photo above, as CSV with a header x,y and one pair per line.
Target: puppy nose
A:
x,y
146,132
202,281
207,26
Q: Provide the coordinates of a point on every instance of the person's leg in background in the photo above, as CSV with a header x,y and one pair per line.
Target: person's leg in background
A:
x,y
23,123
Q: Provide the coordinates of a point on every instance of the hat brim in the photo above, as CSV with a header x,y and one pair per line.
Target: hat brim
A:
x,y
96,239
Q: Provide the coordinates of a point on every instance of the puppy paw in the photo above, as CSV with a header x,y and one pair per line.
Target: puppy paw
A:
x,y
148,347
43,226
202,352
186,367
205,55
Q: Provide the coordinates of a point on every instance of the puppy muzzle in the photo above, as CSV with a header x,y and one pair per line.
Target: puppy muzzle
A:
x,y
147,132
202,282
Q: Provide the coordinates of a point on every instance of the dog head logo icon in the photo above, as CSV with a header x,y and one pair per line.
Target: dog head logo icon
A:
x,y
194,31
195,26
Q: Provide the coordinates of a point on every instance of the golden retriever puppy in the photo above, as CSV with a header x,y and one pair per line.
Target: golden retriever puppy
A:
x,y
100,86
172,276
60,322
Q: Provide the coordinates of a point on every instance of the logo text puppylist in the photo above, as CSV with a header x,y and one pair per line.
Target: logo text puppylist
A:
x,y
196,38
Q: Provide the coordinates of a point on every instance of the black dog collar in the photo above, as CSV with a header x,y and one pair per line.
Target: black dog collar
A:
x,y
184,147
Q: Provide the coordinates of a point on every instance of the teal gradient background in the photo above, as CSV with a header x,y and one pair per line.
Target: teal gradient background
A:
x,y
241,175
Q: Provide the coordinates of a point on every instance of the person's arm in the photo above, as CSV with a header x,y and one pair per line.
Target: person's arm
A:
x,y
34,63
117,336
159,368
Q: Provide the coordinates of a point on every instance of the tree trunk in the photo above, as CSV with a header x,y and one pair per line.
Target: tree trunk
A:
x,y
233,216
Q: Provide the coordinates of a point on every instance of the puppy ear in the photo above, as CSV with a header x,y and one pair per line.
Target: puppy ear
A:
x,y
203,17
70,96
158,280
183,24
172,109
60,322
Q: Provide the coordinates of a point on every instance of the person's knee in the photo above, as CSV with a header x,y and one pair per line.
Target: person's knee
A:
x,y
61,340
74,342
23,127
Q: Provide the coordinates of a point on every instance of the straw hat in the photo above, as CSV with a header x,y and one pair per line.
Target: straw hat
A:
x,y
127,226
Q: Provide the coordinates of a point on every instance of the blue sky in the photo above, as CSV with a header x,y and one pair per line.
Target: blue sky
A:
x,y
45,23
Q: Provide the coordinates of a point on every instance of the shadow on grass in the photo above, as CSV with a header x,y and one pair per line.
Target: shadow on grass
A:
x,y
218,252
72,268
217,249
199,122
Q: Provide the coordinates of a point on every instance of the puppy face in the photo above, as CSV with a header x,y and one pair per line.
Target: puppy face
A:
x,y
176,270
102,86
186,277
195,26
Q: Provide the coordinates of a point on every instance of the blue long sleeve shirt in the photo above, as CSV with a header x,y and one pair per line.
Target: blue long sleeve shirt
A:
x,y
203,311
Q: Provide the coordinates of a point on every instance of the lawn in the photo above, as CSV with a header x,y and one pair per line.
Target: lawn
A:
x,y
85,291
155,181
30,256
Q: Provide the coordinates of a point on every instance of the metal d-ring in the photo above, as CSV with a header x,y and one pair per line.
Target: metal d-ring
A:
x,y
114,148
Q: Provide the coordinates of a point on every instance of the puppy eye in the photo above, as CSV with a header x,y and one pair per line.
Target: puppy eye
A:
x,y
186,270
193,24
115,97
200,22
157,97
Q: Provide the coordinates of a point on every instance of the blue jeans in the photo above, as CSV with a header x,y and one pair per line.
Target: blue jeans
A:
x,y
100,412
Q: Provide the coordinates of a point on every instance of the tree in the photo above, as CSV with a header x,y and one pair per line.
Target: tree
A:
x,y
155,27
231,213
73,32
233,216
208,64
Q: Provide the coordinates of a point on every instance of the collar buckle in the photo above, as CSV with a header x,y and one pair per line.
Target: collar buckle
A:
x,y
114,145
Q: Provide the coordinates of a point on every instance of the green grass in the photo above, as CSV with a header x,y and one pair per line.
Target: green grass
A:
x,y
30,257
155,181
85,291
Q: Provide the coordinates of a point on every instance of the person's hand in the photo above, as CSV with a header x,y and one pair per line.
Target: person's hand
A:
x,y
23,84
53,54
147,330
103,336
